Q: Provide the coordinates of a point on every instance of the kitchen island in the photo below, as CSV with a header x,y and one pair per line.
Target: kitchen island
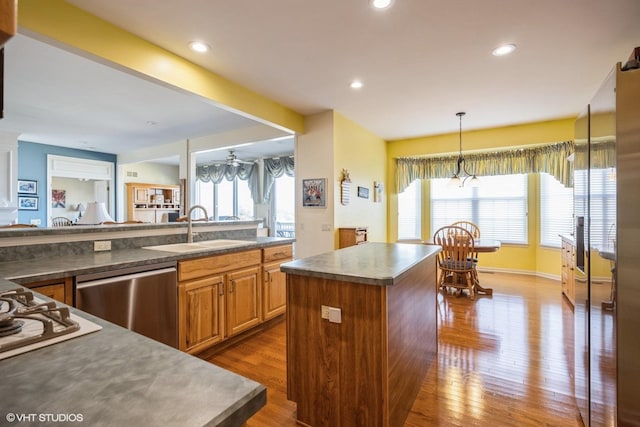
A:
x,y
361,332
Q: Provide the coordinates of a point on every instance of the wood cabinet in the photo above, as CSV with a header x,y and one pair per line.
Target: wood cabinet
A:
x,y
218,297
350,236
568,269
243,300
221,296
200,308
8,20
364,368
274,296
57,289
152,202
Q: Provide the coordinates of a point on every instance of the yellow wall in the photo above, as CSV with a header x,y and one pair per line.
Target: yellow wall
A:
x,y
363,154
526,258
63,23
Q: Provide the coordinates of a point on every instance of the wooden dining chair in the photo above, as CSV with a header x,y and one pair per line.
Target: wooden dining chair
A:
x,y
470,227
475,232
61,221
457,268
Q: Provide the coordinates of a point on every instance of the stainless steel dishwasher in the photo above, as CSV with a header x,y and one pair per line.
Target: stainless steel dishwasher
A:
x,y
143,299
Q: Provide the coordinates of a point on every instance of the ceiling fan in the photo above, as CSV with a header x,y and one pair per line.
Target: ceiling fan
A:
x,y
232,160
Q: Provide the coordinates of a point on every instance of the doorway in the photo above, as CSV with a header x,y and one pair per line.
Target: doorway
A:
x,y
76,173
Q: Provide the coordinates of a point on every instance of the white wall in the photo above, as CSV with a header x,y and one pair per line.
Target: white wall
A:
x,y
314,159
76,191
151,173
8,177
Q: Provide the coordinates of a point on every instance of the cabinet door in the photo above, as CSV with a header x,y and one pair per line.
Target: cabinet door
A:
x,y
274,296
243,296
140,195
201,304
55,292
57,289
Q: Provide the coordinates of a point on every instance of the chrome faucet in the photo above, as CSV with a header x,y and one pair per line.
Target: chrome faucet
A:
x,y
190,227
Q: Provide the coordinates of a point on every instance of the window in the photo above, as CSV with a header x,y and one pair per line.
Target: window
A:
x,y
284,206
225,199
556,210
498,206
409,212
602,209
229,199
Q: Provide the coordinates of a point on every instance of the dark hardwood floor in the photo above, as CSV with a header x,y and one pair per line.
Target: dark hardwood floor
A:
x,y
504,360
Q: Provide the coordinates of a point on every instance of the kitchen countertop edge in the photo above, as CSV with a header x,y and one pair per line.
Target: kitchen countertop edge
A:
x,y
49,268
372,263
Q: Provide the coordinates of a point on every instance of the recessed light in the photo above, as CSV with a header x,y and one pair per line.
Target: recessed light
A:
x,y
356,84
199,47
503,50
381,4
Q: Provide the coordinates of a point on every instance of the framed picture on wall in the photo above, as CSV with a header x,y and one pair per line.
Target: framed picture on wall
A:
x,y
314,193
58,198
363,192
27,203
27,186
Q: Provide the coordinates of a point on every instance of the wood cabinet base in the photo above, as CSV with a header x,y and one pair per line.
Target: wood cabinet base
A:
x,y
367,370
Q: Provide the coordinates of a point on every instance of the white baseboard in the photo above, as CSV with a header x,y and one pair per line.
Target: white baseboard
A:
x,y
596,279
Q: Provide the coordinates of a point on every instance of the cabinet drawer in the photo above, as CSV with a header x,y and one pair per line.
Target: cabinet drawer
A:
x,y
200,267
277,252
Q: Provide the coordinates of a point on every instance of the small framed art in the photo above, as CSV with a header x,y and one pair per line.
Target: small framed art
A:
x,y
27,186
363,192
314,193
26,203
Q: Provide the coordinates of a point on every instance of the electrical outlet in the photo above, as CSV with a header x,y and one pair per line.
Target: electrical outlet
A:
x,y
335,315
35,222
325,312
102,245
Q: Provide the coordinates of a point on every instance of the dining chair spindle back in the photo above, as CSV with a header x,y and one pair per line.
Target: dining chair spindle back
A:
x,y
470,227
456,260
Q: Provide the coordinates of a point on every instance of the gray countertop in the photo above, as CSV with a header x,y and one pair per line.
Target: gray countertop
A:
x,y
33,270
115,377
371,263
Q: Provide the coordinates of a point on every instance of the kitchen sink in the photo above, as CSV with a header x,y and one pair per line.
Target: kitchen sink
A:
x,y
222,243
198,246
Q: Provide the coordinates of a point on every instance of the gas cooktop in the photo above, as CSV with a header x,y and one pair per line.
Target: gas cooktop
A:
x,y
27,323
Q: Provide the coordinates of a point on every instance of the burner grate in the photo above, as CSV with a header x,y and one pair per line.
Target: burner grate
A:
x,y
25,321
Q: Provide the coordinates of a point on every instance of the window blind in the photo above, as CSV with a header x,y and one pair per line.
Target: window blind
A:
x,y
498,206
556,211
602,206
410,212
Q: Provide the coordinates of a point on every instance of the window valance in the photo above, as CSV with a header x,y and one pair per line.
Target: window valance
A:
x,y
275,168
551,158
217,172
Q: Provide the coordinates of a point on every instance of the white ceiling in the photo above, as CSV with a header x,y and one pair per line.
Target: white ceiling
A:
x,y
420,61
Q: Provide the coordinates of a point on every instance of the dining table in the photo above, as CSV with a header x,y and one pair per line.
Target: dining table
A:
x,y
481,246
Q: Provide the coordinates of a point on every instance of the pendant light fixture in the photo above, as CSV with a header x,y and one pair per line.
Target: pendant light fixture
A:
x,y
462,174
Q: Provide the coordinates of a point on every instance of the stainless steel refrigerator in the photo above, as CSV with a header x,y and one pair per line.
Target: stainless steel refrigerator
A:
x,y
607,229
